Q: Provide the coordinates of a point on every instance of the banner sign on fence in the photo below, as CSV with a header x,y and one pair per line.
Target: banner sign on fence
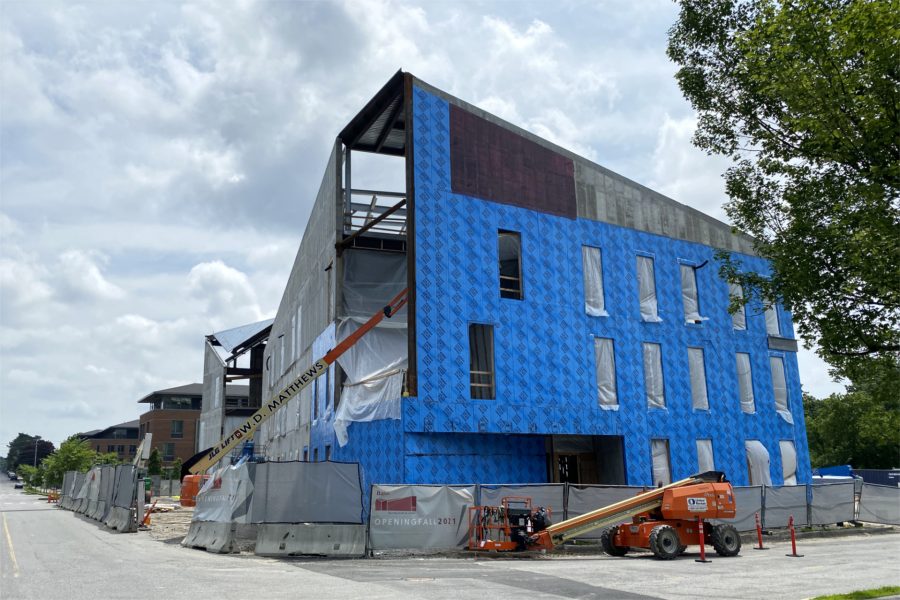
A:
x,y
420,516
226,496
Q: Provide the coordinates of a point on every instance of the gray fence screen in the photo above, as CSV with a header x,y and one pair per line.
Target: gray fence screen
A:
x,y
303,492
585,498
551,495
420,516
782,503
879,504
749,501
832,503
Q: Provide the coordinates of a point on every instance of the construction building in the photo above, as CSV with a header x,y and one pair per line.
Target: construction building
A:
x,y
564,322
231,355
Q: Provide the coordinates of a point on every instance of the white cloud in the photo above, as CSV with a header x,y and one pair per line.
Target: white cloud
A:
x,y
79,272
226,293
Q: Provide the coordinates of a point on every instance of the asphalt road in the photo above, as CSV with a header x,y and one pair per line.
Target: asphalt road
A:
x,y
50,553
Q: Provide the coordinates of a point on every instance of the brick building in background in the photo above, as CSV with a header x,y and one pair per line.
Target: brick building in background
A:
x,y
172,418
121,439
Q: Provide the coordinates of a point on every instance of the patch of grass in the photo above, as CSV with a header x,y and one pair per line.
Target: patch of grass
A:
x,y
889,590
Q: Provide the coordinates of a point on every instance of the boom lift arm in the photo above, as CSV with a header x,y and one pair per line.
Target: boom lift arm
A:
x,y
248,428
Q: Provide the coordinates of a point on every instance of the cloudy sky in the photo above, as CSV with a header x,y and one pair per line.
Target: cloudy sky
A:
x,y
158,161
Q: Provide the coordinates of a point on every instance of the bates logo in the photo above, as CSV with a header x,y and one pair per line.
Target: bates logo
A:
x,y
407,504
696,504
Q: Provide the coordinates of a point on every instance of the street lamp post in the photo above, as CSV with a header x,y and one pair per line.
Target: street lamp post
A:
x,y
36,439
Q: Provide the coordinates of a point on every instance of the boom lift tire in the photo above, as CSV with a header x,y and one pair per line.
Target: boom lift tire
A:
x,y
726,540
608,542
664,542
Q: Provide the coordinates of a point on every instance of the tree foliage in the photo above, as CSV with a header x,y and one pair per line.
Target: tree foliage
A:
x,y
804,97
74,454
154,463
22,451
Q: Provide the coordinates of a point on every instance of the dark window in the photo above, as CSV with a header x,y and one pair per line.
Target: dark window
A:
x,y
120,449
315,400
177,429
132,449
168,451
327,452
316,455
305,454
509,244
481,361
111,448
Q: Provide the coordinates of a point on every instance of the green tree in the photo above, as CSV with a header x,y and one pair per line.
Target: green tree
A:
x,y
804,97
154,463
33,476
175,470
74,454
23,448
853,428
108,458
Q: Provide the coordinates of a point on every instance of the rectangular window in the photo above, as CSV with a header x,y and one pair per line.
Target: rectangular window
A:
x,y
316,455
653,376
605,368
739,318
592,267
772,327
745,383
168,451
111,448
327,452
662,474
788,462
779,389
132,449
306,455
647,289
315,399
120,449
689,295
705,461
699,398
177,429
509,244
481,361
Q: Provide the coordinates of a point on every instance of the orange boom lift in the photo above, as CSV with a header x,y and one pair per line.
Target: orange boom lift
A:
x,y
665,520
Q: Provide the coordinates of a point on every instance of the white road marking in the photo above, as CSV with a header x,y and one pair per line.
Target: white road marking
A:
x,y
12,553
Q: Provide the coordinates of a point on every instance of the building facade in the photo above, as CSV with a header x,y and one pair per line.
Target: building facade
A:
x,y
172,417
564,323
122,439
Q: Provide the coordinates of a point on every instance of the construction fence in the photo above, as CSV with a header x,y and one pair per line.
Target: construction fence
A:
x,y
293,508
108,494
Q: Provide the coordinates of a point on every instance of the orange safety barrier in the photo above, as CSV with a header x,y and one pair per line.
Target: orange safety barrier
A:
x,y
52,497
190,486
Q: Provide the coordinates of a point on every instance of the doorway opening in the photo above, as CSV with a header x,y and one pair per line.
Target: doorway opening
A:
x,y
586,459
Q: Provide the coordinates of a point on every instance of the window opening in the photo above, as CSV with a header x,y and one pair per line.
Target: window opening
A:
x,y
481,361
705,461
757,463
739,318
605,368
510,257
592,268
177,429
745,383
779,389
662,474
690,296
647,290
788,462
772,326
653,376
699,397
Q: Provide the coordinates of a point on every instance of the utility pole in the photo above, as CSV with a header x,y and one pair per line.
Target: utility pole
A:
x,y
36,439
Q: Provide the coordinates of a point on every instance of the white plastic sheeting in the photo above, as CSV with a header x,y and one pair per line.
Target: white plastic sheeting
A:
x,y
738,319
653,376
659,450
772,327
705,460
788,462
226,496
605,363
779,387
592,266
745,383
371,279
647,290
758,463
699,396
374,366
689,295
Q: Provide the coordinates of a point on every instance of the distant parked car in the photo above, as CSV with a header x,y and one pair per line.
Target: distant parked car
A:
x,y
19,485
11,475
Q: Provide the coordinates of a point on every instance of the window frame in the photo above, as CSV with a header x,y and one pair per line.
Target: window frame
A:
x,y
749,384
662,378
600,292
598,342
668,456
172,433
488,343
641,259
705,378
692,269
510,293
